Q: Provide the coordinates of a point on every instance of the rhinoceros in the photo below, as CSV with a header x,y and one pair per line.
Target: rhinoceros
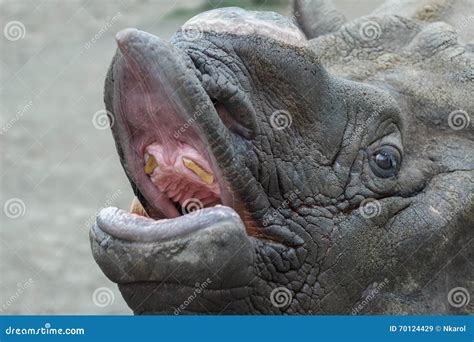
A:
x,y
295,165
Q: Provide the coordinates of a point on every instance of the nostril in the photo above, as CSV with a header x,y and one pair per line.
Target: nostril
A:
x,y
231,122
231,102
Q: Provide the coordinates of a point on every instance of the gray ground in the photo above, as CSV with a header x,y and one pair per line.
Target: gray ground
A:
x,y
57,166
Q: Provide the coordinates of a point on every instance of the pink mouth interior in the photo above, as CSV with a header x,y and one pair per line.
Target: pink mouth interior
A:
x,y
179,183
151,110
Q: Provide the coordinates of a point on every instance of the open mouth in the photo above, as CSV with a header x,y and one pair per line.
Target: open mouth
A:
x,y
166,154
173,146
183,174
180,169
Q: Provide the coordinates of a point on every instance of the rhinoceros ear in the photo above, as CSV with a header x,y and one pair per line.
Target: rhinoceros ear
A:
x,y
458,13
317,17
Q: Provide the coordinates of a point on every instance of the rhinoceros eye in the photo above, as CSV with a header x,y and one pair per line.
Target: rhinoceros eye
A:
x,y
385,161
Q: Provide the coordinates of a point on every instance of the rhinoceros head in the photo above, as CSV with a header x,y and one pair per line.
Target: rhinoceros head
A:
x,y
332,163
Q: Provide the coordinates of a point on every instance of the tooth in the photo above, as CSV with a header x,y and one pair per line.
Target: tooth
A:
x,y
150,165
206,177
137,208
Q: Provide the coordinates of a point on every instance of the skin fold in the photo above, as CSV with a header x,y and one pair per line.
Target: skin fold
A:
x,y
343,151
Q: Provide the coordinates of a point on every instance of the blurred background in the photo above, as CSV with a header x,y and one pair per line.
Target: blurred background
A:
x,y
58,162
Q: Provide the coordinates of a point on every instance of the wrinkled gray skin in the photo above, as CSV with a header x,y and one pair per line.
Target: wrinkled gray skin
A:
x,y
298,190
